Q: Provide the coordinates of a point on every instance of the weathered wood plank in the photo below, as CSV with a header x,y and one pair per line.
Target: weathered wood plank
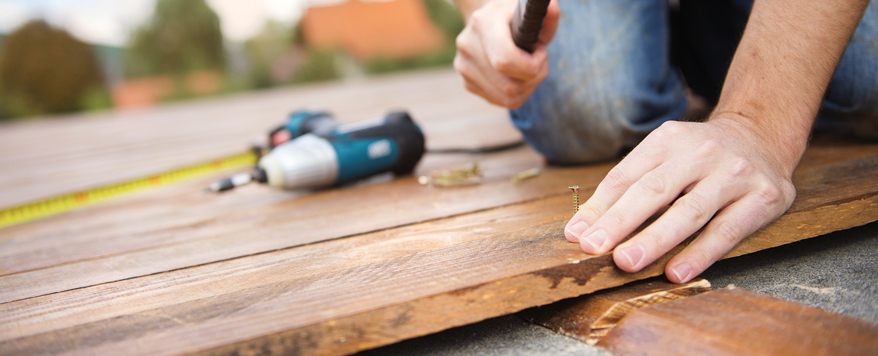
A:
x,y
203,228
734,321
333,298
590,317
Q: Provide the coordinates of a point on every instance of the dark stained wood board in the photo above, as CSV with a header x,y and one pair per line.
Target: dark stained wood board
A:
x,y
350,294
45,158
735,321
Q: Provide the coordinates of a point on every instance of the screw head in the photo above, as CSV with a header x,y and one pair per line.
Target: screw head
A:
x,y
574,187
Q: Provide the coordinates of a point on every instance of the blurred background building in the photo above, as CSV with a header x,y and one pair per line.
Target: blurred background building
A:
x,y
61,56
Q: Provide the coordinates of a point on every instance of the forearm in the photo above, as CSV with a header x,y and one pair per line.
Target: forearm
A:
x,y
467,7
780,71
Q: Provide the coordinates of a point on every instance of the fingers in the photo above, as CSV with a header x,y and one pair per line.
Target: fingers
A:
x,y
688,214
726,230
640,161
550,23
651,192
490,63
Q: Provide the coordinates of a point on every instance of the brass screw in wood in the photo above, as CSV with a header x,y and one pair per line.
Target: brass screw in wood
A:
x,y
575,189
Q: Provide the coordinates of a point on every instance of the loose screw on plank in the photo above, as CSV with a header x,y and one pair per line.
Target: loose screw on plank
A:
x,y
575,189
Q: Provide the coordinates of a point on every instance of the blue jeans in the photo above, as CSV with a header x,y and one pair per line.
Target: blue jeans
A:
x,y
611,79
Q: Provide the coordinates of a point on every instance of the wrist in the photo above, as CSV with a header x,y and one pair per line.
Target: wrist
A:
x,y
467,7
783,146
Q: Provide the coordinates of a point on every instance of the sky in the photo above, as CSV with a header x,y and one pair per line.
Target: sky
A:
x,y
110,22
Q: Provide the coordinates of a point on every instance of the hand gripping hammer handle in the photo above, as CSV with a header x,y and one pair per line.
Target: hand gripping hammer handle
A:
x,y
527,23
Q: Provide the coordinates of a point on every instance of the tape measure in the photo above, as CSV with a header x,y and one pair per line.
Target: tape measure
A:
x,y
60,204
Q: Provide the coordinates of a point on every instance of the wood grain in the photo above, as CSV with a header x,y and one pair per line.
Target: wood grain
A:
x,y
351,294
186,228
590,317
735,321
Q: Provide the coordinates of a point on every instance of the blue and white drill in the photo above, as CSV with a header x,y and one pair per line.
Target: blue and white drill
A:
x,y
312,151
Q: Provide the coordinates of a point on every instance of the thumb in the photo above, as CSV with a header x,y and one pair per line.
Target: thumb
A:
x,y
550,23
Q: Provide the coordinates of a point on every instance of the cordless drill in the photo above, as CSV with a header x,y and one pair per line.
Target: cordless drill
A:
x,y
313,151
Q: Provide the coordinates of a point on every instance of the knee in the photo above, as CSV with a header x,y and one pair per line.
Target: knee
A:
x,y
595,120
584,128
851,100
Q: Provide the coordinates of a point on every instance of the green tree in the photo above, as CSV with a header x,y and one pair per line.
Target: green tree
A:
x,y
182,36
445,15
263,49
46,70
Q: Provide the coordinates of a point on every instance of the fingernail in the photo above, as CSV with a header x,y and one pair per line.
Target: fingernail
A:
x,y
633,253
578,228
682,271
595,239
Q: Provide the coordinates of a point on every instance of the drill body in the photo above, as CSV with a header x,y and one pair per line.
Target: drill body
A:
x,y
328,154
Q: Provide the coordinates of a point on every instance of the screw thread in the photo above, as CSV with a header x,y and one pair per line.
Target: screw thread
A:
x,y
575,189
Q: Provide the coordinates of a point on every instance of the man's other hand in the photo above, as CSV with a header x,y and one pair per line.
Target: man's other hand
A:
x,y
490,63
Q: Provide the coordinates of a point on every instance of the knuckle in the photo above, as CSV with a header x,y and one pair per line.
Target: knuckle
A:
x,y
477,18
617,180
671,128
464,41
653,183
459,65
509,89
502,64
692,207
727,233
707,149
769,195
741,169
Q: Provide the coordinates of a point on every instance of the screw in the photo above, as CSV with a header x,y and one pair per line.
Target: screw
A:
x,y
575,189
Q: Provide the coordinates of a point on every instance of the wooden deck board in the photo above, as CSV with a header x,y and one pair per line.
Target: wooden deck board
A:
x,y
173,270
368,290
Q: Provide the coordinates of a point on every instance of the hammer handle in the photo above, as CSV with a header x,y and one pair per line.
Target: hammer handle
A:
x,y
527,23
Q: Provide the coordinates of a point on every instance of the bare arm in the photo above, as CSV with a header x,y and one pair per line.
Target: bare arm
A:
x,y
734,171
467,7
782,67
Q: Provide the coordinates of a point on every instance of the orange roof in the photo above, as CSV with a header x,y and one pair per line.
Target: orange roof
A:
x,y
391,29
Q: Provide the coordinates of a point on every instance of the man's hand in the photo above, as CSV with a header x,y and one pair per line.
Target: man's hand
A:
x,y
719,169
736,168
490,63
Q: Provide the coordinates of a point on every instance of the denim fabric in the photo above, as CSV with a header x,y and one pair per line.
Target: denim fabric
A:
x,y
850,104
611,81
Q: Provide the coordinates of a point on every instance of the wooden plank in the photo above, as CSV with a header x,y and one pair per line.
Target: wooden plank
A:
x,y
45,158
590,317
185,227
178,227
734,321
346,295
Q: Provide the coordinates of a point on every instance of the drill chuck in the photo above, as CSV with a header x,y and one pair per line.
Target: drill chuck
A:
x,y
306,162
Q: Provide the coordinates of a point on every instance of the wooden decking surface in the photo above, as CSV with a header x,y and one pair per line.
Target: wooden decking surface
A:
x,y
173,270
